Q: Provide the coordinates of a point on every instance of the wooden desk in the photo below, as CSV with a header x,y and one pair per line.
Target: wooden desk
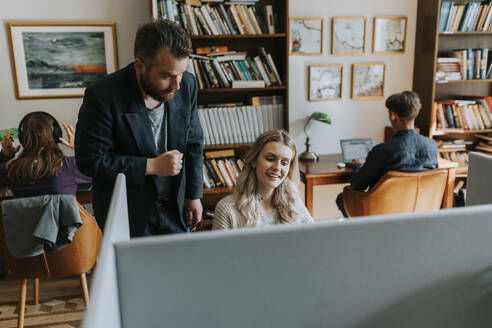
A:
x,y
83,197
325,171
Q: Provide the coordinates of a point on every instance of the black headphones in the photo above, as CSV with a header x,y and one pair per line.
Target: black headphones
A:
x,y
57,131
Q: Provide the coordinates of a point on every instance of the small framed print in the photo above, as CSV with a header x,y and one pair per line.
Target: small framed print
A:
x,y
325,82
389,35
348,35
59,60
306,36
368,81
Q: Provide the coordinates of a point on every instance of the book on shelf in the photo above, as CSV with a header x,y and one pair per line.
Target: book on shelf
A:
x,y
221,168
460,157
472,16
225,125
465,64
218,17
465,114
236,70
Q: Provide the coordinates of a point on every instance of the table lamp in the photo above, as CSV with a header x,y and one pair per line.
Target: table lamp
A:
x,y
308,155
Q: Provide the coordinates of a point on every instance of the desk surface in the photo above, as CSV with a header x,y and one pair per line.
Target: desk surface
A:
x,y
325,166
325,171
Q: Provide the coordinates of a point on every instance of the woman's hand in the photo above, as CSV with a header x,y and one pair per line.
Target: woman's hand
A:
x,y
8,148
70,136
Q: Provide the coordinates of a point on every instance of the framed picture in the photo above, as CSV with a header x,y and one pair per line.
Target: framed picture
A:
x,y
59,60
368,81
306,36
348,35
325,82
389,35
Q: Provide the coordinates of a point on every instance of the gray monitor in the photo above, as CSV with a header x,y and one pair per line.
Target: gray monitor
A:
x,y
479,182
410,270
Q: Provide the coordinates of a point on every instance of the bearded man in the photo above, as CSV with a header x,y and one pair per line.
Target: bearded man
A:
x,y
142,121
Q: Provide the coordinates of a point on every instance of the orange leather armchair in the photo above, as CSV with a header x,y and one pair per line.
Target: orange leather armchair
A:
x,y
75,259
398,192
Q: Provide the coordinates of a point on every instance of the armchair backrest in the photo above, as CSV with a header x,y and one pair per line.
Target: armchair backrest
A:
x,y
77,258
398,192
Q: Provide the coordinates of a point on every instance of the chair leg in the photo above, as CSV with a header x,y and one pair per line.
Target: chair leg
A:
x,y
36,291
85,290
22,303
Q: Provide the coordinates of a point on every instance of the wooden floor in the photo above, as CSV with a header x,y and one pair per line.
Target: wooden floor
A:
x,y
60,303
48,289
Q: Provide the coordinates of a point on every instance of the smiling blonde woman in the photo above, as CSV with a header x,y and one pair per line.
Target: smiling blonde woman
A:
x,y
267,190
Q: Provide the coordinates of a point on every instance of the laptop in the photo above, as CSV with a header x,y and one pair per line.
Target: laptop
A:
x,y
355,149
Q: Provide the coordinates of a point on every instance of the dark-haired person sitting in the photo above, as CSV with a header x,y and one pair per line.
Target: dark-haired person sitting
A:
x,y
407,151
41,168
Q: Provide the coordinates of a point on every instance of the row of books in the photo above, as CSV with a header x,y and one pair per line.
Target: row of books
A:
x,y
466,114
473,16
465,64
237,125
221,169
452,143
219,19
235,70
459,157
484,144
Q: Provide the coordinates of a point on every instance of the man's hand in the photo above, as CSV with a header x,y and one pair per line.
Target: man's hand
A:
x,y
357,161
70,143
8,149
193,211
167,164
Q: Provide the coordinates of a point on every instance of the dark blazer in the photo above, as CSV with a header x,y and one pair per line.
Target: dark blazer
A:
x,y
114,135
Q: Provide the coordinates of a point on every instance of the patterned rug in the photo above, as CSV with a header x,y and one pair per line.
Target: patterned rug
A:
x,y
59,313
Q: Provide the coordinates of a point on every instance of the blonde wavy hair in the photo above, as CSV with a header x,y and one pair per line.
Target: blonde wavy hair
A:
x,y
286,199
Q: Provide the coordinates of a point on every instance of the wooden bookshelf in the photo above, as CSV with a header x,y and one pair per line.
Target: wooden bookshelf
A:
x,y
275,44
431,44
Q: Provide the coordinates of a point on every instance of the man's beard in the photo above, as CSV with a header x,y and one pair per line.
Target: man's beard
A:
x,y
149,89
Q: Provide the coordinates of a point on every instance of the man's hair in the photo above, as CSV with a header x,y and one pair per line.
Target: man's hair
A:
x,y
406,105
161,34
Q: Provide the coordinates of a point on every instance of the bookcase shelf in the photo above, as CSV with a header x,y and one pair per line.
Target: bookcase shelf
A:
x,y
236,146
464,81
221,90
459,131
431,44
235,36
275,44
444,34
214,191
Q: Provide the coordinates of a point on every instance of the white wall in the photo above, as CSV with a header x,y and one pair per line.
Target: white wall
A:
x,y
350,118
127,14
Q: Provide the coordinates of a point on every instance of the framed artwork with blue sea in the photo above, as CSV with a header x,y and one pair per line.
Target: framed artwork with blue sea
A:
x,y
59,60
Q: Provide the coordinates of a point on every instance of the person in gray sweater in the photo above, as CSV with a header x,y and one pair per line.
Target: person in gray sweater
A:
x,y
267,189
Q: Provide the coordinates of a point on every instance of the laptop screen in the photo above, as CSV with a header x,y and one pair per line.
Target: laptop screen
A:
x,y
356,148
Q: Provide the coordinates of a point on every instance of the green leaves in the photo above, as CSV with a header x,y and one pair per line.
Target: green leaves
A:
x,y
321,117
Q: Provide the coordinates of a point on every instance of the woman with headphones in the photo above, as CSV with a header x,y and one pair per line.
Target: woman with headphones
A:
x,y
41,168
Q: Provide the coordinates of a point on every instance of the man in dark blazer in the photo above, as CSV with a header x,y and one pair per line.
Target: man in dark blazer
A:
x,y
142,121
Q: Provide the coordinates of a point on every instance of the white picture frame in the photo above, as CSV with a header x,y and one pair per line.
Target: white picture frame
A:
x,y
325,82
59,60
305,36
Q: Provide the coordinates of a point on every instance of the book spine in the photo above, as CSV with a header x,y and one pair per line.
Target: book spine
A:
x,y
206,139
483,63
227,19
269,19
221,74
262,70
237,19
217,172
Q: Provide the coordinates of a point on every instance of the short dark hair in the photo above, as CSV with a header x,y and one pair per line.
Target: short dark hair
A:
x,y
405,104
161,34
